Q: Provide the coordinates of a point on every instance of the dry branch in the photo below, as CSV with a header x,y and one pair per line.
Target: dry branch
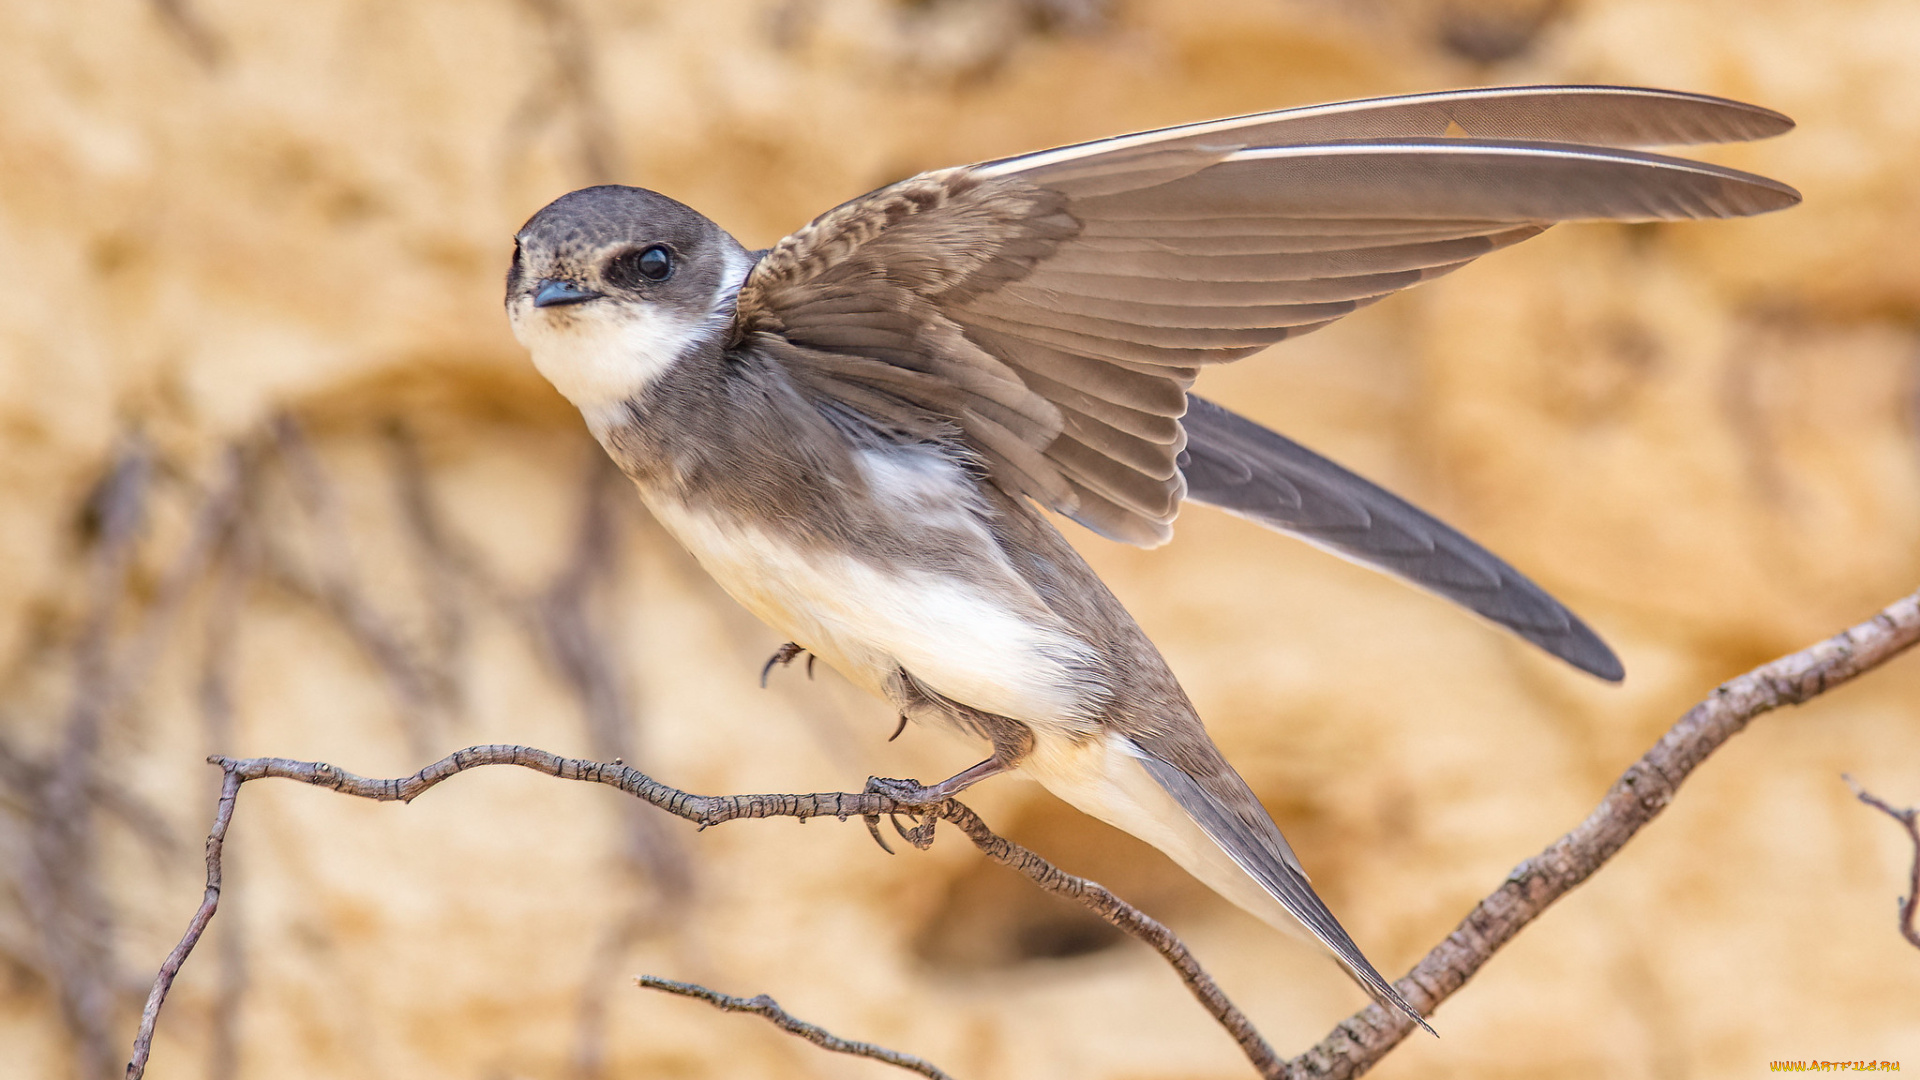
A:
x,y
762,1005
705,811
209,903
1910,818
1644,790
1358,1042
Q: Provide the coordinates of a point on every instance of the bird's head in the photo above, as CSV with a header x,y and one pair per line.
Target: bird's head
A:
x,y
610,285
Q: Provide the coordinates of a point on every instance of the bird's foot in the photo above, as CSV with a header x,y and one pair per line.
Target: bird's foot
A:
x,y
916,796
907,792
783,656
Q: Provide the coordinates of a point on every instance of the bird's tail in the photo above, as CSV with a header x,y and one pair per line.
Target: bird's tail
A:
x,y
1222,837
1253,842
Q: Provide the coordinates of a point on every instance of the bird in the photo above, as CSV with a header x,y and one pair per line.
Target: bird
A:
x,y
861,431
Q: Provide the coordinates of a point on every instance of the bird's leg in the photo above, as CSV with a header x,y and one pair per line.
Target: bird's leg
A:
x,y
1012,741
783,656
913,793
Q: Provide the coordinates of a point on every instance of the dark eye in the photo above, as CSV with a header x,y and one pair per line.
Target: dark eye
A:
x,y
638,267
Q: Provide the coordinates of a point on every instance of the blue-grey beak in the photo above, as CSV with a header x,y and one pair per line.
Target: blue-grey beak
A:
x,y
554,292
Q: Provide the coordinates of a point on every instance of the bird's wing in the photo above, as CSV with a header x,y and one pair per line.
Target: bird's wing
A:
x,y
1624,116
1053,309
1237,465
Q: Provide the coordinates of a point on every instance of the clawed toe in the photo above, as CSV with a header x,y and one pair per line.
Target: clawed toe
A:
x,y
783,656
914,796
907,792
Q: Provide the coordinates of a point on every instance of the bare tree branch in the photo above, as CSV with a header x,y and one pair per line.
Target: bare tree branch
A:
x,y
708,810
1358,1042
218,660
1910,817
1128,918
762,1005
209,903
1635,799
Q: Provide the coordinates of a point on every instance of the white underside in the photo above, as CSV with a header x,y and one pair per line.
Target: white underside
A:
x,y
984,640
965,642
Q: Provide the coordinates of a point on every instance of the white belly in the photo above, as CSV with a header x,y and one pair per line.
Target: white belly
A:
x,y
984,640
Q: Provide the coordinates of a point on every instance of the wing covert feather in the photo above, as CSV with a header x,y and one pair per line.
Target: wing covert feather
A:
x,y
1049,311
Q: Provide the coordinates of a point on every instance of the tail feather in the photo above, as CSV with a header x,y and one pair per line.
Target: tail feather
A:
x,y
1254,843
1205,818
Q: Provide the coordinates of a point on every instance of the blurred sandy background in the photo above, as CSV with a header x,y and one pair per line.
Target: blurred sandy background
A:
x,y
278,481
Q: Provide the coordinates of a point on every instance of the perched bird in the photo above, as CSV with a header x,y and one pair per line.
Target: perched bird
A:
x,y
855,431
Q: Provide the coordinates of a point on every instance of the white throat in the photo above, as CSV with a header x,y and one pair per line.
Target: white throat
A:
x,y
601,353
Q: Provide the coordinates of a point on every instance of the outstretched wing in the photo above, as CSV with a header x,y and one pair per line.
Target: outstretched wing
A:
x,y
1054,308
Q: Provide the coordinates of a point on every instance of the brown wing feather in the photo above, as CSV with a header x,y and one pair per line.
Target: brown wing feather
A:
x,y
1053,309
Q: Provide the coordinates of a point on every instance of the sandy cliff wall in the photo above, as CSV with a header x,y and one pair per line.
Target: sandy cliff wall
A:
x,y
278,481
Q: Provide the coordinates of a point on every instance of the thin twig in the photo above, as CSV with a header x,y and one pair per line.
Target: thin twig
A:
x,y
1130,919
1910,817
566,628
209,903
561,621
582,648
709,810
218,660
762,1005
574,85
1645,789
1358,1042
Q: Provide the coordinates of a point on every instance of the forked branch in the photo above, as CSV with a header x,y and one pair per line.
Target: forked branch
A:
x,y
1635,799
1359,1041
708,810
1910,818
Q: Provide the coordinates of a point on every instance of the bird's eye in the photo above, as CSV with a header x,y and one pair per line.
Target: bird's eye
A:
x,y
651,264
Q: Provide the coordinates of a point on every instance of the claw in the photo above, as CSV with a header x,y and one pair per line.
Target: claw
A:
x,y
898,730
783,656
920,836
873,830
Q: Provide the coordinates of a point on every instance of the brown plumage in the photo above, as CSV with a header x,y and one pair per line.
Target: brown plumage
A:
x,y
852,432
